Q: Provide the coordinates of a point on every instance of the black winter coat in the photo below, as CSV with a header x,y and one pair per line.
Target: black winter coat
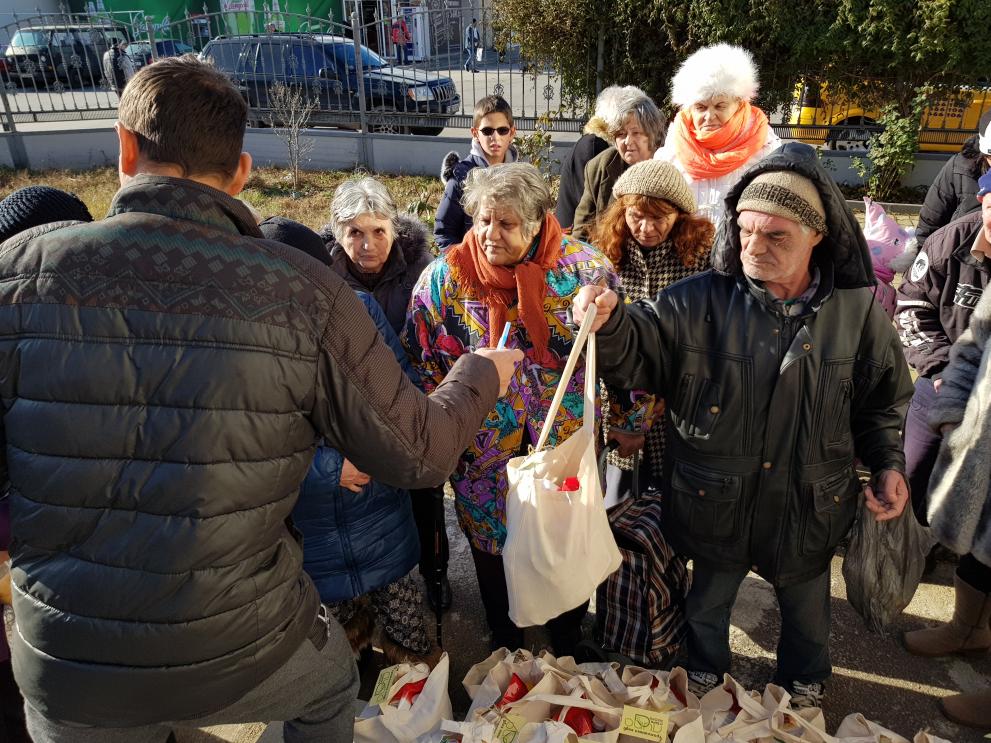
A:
x,y
939,294
954,192
165,374
573,176
410,254
762,431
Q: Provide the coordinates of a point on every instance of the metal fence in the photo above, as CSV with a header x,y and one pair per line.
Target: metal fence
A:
x,y
408,73
404,74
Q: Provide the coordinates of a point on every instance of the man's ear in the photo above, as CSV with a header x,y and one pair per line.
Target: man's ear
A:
x,y
130,153
240,179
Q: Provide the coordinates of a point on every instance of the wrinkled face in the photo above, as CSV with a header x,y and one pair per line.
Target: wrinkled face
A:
x,y
647,230
494,133
632,141
709,115
986,216
368,240
500,231
774,249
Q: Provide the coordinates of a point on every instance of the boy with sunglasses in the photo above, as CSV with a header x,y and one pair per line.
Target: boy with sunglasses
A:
x,y
491,144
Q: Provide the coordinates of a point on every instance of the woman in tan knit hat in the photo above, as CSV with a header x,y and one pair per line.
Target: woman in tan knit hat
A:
x,y
653,236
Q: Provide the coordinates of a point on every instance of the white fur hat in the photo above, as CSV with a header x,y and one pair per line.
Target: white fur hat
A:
x,y
712,71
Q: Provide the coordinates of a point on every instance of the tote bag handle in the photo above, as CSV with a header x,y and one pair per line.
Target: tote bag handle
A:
x,y
585,337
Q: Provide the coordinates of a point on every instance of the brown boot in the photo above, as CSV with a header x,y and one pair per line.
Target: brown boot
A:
x,y
966,633
972,710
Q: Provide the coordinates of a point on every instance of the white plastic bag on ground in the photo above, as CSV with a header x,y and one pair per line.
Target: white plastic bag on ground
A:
x,y
559,546
387,719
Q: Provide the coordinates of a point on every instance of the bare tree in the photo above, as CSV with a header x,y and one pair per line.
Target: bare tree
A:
x,y
290,112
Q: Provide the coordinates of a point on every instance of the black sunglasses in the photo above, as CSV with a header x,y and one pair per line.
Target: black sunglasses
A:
x,y
488,131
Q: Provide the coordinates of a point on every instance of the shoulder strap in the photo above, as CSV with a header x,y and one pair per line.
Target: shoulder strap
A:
x,y
585,337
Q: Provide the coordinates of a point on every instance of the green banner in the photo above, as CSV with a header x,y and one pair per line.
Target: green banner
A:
x,y
222,16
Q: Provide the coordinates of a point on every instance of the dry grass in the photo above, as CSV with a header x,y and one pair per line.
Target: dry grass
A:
x,y
269,191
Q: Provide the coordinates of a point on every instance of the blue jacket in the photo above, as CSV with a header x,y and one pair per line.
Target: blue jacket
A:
x,y
354,543
452,222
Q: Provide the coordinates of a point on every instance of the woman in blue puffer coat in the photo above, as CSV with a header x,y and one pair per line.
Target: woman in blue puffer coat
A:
x,y
360,544
359,538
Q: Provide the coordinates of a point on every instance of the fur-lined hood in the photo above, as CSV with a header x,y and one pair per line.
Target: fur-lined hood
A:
x,y
412,238
476,158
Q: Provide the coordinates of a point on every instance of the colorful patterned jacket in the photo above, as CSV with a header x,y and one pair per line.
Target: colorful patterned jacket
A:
x,y
443,324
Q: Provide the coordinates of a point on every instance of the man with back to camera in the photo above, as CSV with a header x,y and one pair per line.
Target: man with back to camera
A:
x,y
166,373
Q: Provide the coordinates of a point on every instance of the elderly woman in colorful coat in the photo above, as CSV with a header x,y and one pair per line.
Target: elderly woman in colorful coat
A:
x,y
514,266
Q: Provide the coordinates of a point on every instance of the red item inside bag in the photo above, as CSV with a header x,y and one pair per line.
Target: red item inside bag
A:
x,y
409,692
579,720
570,485
516,690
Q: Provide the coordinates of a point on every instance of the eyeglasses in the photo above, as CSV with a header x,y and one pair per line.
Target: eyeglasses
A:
x,y
488,131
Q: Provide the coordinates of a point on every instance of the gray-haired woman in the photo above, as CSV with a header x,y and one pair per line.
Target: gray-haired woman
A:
x,y
515,265
375,248
594,140
635,133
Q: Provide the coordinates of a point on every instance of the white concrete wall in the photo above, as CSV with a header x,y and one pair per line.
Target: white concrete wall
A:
x,y
337,150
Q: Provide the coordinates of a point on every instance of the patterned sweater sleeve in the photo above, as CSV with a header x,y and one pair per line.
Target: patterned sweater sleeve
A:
x,y
424,337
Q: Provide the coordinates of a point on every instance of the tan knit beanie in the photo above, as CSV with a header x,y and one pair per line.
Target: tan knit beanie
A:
x,y
659,180
785,194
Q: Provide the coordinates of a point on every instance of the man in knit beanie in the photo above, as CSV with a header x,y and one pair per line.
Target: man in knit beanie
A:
x,y
779,372
37,205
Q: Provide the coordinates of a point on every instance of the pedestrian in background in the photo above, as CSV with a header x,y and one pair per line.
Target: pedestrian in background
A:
x,y
400,38
472,40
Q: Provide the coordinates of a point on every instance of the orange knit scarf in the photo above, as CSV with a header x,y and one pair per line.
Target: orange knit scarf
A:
x,y
498,287
706,155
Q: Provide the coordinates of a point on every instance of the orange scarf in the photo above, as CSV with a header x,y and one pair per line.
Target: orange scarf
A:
x,y
706,155
498,287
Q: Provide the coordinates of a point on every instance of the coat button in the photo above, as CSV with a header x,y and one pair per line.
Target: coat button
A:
x,y
766,465
806,346
836,499
701,492
776,331
714,409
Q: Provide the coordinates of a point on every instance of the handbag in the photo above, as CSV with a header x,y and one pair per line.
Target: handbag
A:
x,y
559,547
640,609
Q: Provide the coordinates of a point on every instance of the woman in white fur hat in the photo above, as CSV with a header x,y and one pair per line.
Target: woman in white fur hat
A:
x,y
717,134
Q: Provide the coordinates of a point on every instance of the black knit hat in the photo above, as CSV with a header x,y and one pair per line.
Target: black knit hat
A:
x,y
37,205
295,235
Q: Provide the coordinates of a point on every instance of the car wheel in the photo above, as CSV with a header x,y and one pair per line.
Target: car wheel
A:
x,y
850,134
381,123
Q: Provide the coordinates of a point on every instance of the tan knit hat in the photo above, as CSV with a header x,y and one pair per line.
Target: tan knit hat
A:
x,y
659,180
785,194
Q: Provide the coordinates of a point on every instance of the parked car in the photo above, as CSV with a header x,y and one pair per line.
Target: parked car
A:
x,y
67,53
847,123
326,67
140,51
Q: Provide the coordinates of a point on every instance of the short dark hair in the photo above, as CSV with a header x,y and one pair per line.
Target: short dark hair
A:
x,y
492,104
186,113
